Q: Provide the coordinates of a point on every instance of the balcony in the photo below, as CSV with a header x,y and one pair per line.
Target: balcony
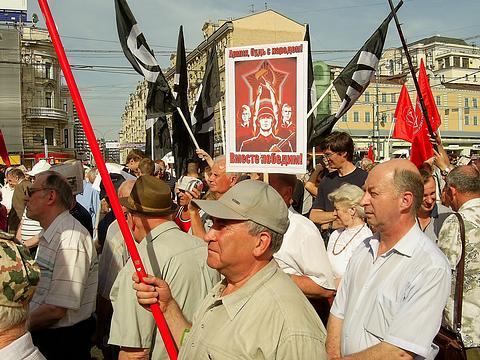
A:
x,y
46,113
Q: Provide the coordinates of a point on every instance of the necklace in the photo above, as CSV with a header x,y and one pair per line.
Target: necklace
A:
x,y
348,243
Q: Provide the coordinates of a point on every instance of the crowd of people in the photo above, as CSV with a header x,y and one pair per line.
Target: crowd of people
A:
x,y
346,261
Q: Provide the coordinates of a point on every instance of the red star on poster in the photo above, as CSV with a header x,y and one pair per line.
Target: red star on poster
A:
x,y
263,74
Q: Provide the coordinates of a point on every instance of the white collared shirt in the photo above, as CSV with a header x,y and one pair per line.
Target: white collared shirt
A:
x,y
397,297
303,251
21,349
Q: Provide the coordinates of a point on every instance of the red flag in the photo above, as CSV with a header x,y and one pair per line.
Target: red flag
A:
x,y
3,150
427,95
405,121
422,149
370,154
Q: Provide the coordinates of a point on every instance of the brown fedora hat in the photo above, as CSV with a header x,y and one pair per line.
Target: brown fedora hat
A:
x,y
150,196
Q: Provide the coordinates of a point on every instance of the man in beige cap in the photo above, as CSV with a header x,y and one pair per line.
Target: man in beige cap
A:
x,y
256,311
167,252
19,275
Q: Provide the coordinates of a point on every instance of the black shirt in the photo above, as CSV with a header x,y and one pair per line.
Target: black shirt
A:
x,y
83,216
331,182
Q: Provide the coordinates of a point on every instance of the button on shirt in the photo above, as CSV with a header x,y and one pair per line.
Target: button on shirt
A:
x,y
267,318
397,297
69,270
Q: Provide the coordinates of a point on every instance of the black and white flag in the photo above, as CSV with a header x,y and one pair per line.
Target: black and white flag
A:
x,y
159,98
355,77
209,94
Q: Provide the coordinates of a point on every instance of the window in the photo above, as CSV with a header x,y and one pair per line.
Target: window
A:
x,y
48,99
438,100
49,135
456,61
344,118
367,97
356,117
65,105
466,102
467,120
48,71
65,138
475,120
474,103
367,117
384,98
392,98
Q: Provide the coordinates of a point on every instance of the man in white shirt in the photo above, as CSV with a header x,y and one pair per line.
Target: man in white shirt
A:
x,y
302,254
390,302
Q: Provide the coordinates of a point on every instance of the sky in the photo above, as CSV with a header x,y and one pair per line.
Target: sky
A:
x,y
89,35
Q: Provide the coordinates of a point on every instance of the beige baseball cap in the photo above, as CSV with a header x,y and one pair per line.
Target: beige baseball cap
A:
x,y
250,200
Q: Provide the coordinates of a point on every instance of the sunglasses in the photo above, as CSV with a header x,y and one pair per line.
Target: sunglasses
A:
x,y
31,191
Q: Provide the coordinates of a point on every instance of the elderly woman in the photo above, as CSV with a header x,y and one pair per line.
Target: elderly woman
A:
x,y
350,215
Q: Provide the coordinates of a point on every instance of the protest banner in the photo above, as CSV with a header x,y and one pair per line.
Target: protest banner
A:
x,y
266,107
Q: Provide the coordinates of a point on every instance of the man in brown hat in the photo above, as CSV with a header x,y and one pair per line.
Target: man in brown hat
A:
x,y
19,275
256,311
167,252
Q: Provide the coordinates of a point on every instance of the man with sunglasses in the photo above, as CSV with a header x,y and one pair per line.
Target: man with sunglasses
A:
x,y
61,311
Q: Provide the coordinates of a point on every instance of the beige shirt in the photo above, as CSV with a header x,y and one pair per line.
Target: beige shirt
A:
x,y
178,258
267,318
69,270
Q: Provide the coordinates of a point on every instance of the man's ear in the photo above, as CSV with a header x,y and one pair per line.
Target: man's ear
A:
x,y
264,240
406,200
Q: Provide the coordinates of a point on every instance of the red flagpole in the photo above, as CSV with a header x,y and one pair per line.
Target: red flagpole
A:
x,y
112,195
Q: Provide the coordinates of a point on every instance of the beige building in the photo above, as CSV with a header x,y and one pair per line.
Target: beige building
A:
x,y
46,105
132,134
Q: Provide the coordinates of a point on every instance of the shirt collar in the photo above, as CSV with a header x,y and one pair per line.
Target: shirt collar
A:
x,y
434,213
160,229
469,204
405,246
235,301
51,230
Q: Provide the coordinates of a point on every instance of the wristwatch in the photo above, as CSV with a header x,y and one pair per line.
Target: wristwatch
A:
x,y
445,171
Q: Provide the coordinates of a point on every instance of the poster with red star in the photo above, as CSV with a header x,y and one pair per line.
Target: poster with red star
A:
x,y
266,107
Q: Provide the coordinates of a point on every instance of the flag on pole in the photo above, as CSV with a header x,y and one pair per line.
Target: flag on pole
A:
x,y
3,150
406,126
183,148
209,94
356,76
422,148
311,89
139,54
370,154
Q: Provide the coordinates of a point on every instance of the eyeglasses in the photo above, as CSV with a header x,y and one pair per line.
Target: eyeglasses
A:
x,y
329,155
30,191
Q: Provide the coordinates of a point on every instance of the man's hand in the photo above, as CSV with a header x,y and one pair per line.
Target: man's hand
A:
x,y
202,154
151,291
193,194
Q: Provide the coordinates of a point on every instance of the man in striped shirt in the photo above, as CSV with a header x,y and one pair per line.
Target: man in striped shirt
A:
x,y
61,319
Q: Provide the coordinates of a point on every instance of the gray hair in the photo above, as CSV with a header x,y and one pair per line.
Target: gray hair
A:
x,y
57,182
406,180
350,195
12,316
276,238
466,179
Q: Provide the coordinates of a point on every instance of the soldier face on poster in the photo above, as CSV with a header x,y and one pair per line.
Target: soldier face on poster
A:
x,y
266,108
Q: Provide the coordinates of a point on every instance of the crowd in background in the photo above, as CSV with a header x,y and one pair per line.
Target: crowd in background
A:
x,y
353,258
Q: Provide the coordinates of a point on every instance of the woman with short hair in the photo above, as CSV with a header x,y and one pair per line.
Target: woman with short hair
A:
x,y
354,230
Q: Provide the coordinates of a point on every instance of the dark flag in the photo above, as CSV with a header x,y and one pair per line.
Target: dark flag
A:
x,y
183,148
355,77
311,89
4,151
159,98
208,96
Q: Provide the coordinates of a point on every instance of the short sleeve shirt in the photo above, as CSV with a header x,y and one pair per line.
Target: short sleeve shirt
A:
x,y
331,182
267,318
179,259
397,297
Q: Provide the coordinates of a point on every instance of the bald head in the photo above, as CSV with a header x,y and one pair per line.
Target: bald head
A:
x,y
125,188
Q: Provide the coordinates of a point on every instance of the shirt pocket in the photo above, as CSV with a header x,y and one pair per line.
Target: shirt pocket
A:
x,y
381,316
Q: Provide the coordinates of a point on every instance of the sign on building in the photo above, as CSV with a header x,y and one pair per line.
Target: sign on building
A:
x,y
266,102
